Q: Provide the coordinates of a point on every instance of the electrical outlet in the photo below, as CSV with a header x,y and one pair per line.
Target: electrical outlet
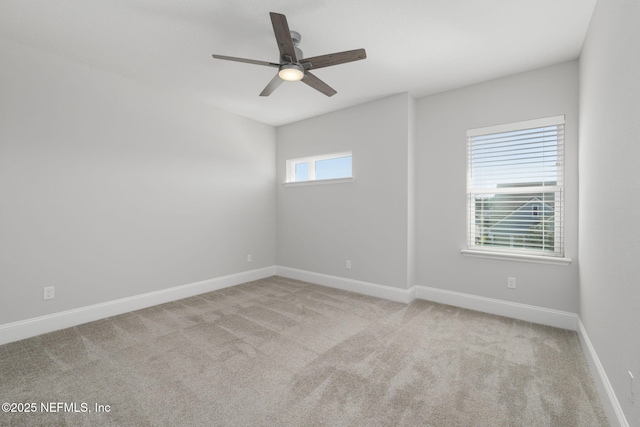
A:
x,y
511,282
249,259
348,264
48,292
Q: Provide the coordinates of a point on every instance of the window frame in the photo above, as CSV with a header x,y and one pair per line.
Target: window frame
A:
x,y
290,177
555,256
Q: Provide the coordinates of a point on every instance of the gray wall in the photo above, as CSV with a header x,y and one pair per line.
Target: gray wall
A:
x,y
610,194
113,189
442,122
366,221
402,221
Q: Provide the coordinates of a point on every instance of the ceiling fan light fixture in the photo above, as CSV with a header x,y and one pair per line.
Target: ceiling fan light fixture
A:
x,y
291,72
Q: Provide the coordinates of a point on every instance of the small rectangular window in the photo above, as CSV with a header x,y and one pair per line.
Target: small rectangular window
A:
x,y
321,167
515,188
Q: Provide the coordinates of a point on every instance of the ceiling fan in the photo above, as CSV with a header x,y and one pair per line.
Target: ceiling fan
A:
x,y
293,66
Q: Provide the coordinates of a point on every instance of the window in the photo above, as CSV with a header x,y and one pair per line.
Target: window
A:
x,y
515,188
322,167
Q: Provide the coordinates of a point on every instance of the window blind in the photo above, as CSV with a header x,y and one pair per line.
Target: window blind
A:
x,y
515,200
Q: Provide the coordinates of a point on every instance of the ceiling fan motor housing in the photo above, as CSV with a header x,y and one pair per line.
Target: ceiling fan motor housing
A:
x,y
296,37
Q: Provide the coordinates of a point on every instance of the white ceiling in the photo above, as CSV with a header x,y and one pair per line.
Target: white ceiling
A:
x,y
417,46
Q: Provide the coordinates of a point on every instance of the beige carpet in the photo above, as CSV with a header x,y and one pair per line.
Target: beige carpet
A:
x,y
280,352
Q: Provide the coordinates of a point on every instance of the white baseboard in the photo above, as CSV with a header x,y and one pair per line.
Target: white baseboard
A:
x,y
529,313
40,325
366,288
612,407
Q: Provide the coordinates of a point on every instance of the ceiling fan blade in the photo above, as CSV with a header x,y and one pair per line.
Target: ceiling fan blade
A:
x,y
248,61
334,58
283,37
273,85
318,84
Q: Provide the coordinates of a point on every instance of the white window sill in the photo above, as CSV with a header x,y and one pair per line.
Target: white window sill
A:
x,y
318,181
517,257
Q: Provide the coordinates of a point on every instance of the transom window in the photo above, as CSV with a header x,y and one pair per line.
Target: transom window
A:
x,y
515,200
321,167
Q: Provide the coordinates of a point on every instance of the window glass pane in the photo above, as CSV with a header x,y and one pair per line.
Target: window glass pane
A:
x,y
339,167
302,171
516,220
